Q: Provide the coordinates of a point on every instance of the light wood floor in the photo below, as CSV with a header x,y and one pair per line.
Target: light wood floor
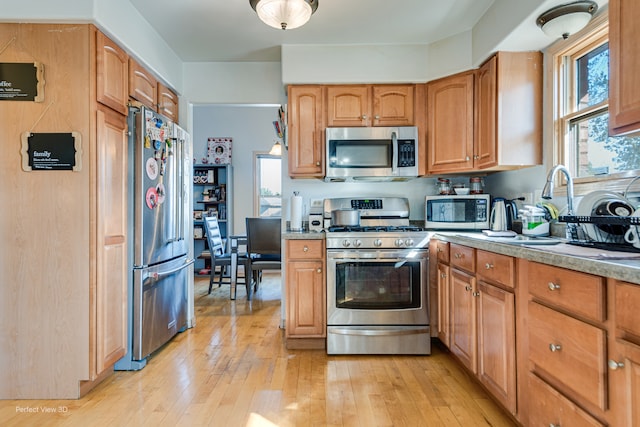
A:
x,y
232,370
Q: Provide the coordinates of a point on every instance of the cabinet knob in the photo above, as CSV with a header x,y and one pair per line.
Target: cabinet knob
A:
x,y
438,250
554,425
467,288
457,255
319,270
555,347
613,365
553,286
377,117
305,249
476,157
317,163
488,266
476,294
364,117
467,158
444,276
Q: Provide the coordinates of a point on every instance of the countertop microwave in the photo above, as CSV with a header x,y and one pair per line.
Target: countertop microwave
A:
x,y
456,212
372,153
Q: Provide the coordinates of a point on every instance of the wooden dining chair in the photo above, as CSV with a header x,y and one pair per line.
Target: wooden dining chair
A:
x,y
220,257
264,248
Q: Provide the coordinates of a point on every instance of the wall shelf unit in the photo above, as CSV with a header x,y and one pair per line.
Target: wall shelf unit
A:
x,y
212,195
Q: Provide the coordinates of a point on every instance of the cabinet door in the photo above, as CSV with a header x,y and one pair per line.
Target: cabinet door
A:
x,y
624,383
443,304
306,297
486,139
393,105
143,86
348,106
167,102
111,74
497,343
110,296
306,131
624,50
450,123
463,319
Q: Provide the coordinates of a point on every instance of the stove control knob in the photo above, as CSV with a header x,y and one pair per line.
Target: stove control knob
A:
x,y
357,243
377,242
409,242
399,242
346,243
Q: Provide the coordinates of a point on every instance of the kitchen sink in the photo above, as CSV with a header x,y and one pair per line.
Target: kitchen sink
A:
x,y
519,239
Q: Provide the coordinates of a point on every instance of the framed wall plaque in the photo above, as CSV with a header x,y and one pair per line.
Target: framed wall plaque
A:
x,y
21,81
51,151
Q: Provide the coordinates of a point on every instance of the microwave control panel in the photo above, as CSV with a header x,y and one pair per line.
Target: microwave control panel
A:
x,y
406,153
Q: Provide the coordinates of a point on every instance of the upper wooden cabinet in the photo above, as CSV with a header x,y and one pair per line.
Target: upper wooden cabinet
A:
x,y
143,86
167,102
306,131
450,123
624,62
488,119
370,105
111,74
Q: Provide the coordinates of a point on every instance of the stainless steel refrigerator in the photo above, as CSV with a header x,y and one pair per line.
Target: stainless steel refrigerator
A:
x,y
160,199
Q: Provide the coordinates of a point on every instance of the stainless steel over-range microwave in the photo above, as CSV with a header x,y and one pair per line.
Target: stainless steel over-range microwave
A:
x,y
372,153
469,212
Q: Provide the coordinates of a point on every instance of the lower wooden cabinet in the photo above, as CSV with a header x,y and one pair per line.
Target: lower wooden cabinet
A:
x,y
480,321
305,290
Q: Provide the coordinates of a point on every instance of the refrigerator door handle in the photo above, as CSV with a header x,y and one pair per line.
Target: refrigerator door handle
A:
x,y
158,275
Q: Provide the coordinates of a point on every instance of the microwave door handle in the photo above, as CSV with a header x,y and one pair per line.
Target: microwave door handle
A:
x,y
394,159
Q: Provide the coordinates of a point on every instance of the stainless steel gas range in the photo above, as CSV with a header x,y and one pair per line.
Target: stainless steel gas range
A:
x,y
377,280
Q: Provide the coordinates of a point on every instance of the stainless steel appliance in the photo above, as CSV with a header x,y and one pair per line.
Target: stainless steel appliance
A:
x,y
160,177
377,280
372,153
454,212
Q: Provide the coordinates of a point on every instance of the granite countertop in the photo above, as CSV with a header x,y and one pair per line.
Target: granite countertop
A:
x,y
302,235
618,265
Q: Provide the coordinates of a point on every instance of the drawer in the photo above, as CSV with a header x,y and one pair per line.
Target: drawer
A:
x,y
627,306
580,293
547,407
305,249
496,267
571,351
462,257
442,249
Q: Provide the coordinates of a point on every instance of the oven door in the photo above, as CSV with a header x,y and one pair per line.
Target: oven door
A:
x,y
377,287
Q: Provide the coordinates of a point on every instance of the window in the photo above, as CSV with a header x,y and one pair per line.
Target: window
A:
x,y
581,79
268,194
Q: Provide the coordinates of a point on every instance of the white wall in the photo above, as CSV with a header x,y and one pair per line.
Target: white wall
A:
x,y
251,127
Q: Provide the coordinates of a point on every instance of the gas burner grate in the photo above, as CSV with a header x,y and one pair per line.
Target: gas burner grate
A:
x,y
374,228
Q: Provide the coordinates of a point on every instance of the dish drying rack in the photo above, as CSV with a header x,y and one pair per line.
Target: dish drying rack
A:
x,y
601,232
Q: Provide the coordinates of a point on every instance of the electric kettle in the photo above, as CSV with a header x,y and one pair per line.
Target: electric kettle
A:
x,y
498,218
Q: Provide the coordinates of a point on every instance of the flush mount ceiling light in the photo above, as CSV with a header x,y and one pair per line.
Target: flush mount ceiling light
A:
x,y
285,14
566,19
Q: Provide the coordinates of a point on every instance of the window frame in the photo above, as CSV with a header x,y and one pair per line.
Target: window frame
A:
x,y
257,155
558,97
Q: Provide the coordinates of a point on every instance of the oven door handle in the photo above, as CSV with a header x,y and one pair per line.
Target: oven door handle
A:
x,y
379,332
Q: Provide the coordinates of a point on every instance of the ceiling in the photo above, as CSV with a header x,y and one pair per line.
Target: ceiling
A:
x,y
229,30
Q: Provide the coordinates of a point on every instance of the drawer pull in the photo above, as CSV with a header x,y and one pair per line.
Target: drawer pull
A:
x,y
553,286
305,249
613,365
488,266
554,425
555,347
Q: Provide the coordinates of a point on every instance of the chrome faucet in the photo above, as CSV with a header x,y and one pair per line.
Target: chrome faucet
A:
x,y
547,191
